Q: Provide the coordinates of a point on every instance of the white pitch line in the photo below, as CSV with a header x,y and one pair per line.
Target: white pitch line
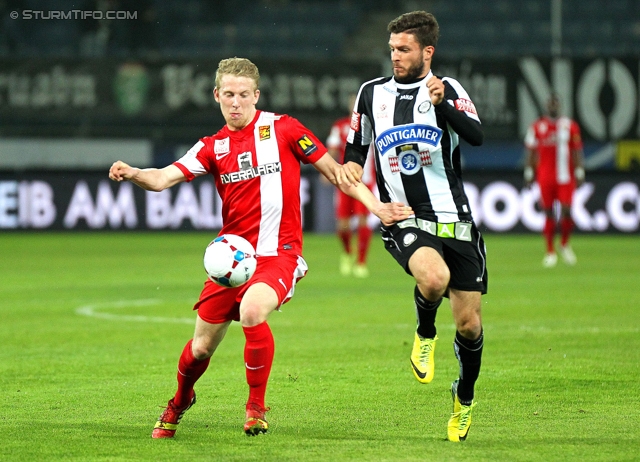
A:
x,y
95,311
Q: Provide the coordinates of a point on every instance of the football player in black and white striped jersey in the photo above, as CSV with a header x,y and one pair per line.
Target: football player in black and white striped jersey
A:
x,y
415,120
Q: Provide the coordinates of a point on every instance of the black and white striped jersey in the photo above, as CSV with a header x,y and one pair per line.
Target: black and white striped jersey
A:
x,y
417,152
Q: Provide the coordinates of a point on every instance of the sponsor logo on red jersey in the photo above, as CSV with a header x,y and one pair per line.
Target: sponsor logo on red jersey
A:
x,y
465,105
265,132
221,146
307,146
247,172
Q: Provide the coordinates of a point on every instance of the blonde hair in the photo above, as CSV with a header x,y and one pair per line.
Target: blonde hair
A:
x,y
239,67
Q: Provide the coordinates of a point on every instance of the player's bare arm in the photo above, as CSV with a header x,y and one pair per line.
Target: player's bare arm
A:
x,y
334,153
530,167
578,161
151,179
331,170
388,212
352,172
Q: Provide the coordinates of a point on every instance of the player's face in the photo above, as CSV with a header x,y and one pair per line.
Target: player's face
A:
x,y
238,97
553,107
410,61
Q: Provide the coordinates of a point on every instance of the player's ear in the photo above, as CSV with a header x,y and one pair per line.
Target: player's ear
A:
x,y
216,95
256,96
428,51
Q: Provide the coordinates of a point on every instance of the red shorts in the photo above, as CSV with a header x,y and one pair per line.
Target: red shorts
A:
x,y
219,304
347,206
551,191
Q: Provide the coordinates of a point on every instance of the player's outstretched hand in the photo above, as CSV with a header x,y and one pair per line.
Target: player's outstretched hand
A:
x,y
392,212
121,171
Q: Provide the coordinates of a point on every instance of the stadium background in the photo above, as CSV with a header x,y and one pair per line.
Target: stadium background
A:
x,y
78,92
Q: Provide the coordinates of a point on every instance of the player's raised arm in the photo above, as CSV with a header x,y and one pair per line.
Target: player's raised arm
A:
x,y
151,179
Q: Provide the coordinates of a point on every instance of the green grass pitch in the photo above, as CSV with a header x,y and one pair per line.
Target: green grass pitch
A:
x,y
92,324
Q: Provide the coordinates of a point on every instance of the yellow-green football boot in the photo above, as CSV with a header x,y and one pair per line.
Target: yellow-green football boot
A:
x,y
422,358
460,421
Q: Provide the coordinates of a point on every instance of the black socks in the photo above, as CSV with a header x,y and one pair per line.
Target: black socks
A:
x,y
426,314
469,354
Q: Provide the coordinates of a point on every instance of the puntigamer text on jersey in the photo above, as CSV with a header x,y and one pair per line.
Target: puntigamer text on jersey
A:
x,y
409,133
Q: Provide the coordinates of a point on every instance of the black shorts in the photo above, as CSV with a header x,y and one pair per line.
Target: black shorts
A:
x,y
466,259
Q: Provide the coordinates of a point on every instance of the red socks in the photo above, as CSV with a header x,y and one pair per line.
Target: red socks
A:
x,y
190,370
345,238
549,231
364,238
566,226
259,350
258,356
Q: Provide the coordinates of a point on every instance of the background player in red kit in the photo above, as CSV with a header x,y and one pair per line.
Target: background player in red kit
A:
x,y
554,159
348,207
255,161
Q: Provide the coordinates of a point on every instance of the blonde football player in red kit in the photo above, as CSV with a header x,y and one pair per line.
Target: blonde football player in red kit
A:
x,y
255,161
554,159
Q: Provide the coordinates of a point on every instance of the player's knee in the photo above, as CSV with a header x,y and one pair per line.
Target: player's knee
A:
x,y
469,327
201,349
434,283
252,315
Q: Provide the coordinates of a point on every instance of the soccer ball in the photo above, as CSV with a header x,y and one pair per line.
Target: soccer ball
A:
x,y
230,260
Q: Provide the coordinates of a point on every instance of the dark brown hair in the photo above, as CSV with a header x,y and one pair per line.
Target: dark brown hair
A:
x,y
421,24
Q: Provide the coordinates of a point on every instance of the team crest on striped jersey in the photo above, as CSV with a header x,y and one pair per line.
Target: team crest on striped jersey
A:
x,y
424,107
409,162
264,132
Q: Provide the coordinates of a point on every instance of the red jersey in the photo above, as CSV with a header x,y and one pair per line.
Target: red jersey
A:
x,y
554,140
257,175
337,139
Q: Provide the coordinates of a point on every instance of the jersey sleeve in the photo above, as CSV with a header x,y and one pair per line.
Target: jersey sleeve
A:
x,y
196,161
360,129
460,112
306,146
460,99
575,141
